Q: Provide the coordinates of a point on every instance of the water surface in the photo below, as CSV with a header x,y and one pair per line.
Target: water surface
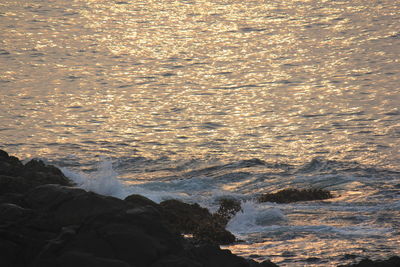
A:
x,y
168,89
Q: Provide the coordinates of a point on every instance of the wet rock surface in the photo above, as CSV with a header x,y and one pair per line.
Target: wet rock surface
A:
x,y
197,221
228,207
294,195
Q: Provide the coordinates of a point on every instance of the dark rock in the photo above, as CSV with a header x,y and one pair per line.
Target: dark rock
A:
x,y
77,258
74,259
228,207
10,184
126,237
182,215
294,195
391,262
12,214
3,154
251,162
69,205
9,252
39,166
349,256
177,261
39,174
8,164
14,198
140,201
49,197
18,178
213,256
24,243
192,219
268,263
147,212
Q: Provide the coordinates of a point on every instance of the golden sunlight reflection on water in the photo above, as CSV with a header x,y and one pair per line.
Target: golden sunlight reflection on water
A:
x,y
232,79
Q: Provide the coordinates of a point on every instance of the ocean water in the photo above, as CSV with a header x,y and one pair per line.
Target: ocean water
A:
x,y
199,100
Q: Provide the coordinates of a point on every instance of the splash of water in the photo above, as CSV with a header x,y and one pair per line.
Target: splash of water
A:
x,y
254,217
104,181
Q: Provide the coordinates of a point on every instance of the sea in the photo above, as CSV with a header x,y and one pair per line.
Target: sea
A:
x,y
200,100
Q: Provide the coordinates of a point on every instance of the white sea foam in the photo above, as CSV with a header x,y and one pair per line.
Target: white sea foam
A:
x,y
104,181
254,217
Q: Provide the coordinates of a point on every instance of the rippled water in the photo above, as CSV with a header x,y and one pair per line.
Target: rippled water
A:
x,y
202,78
170,89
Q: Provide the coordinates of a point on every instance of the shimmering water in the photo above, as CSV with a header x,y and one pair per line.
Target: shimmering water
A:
x,y
168,89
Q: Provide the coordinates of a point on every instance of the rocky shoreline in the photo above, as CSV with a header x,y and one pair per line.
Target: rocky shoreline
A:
x,y
46,221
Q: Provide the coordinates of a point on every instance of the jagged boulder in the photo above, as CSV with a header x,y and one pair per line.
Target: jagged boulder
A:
x,y
228,207
40,174
70,205
293,195
16,177
195,220
10,165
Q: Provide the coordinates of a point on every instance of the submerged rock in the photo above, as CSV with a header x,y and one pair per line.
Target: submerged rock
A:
x,y
391,262
293,195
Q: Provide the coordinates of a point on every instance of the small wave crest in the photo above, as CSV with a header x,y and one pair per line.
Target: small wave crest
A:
x,y
254,217
103,181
